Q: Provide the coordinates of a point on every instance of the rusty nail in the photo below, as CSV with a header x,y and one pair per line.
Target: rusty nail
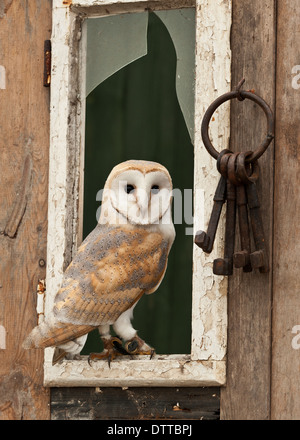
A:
x,y
42,262
238,89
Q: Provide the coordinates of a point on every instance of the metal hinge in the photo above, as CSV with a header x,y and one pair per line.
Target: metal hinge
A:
x,y
47,63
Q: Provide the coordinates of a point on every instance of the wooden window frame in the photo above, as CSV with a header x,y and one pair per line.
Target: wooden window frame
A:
x,y
206,364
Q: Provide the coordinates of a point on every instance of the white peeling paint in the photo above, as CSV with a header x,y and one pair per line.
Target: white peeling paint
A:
x,y
213,61
2,78
2,338
87,3
199,195
171,370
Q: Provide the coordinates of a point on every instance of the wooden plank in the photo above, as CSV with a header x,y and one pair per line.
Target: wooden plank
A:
x,y
247,394
24,139
286,306
134,403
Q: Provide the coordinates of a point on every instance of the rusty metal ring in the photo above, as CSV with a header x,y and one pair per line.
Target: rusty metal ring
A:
x,y
223,164
231,170
219,160
246,172
240,94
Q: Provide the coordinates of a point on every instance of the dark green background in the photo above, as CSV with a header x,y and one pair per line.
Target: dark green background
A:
x,y
135,114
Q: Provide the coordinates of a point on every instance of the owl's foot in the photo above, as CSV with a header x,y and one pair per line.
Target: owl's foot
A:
x,y
136,345
112,349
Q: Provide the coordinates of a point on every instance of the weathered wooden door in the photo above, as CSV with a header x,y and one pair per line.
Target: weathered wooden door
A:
x,y
263,354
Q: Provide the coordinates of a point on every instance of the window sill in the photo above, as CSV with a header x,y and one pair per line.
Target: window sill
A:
x,y
163,370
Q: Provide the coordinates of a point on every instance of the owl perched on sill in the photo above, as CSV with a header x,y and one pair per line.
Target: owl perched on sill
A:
x,y
122,259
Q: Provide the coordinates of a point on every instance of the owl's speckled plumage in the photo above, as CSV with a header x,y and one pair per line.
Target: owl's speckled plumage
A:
x,y
109,273
124,257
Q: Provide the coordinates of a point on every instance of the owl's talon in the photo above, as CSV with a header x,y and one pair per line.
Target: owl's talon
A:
x,y
112,349
108,355
137,346
90,358
152,353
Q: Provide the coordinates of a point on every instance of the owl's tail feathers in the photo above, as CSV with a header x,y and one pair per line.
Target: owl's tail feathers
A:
x,y
49,334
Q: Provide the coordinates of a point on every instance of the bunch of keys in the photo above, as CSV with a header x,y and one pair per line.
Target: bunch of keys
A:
x,y
237,187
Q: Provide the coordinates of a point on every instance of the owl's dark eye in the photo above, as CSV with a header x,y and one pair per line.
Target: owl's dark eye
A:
x,y
129,189
155,189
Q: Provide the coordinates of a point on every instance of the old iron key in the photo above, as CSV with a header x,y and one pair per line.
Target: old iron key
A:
x,y
224,266
249,174
205,240
242,258
258,258
226,166
245,175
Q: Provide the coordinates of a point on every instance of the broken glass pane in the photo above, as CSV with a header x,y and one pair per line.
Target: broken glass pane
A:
x,y
181,26
114,42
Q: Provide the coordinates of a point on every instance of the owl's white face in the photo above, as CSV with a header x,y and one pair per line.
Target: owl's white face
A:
x,y
140,195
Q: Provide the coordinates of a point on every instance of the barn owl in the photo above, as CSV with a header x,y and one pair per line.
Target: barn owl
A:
x,y
122,259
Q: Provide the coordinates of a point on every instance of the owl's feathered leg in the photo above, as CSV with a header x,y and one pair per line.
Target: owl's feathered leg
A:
x,y
112,346
69,350
134,345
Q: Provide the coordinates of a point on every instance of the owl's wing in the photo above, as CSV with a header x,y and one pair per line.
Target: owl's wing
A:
x,y
113,268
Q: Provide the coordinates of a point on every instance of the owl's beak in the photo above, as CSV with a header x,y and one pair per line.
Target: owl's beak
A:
x,y
143,203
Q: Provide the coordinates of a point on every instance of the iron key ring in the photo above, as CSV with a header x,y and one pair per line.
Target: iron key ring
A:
x,y
240,95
